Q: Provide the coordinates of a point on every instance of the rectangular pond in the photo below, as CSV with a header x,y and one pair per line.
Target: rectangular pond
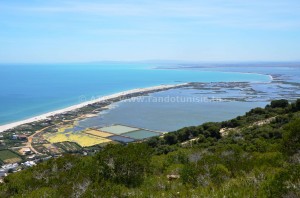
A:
x,y
141,134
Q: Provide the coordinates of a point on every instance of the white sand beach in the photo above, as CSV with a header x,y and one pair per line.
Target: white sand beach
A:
x,y
78,106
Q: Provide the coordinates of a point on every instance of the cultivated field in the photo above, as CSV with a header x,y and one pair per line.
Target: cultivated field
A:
x,y
68,146
40,148
53,149
97,133
7,156
82,139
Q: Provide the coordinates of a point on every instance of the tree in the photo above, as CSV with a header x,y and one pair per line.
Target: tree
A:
x,y
170,138
153,142
279,103
184,134
214,131
258,111
296,105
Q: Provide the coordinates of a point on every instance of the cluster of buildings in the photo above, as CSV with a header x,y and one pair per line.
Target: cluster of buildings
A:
x,y
19,137
14,167
8,168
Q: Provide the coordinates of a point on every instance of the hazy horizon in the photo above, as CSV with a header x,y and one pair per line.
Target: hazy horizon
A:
x,y
187,62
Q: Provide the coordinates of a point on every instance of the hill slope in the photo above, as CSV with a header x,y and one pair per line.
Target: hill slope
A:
x,y
256,155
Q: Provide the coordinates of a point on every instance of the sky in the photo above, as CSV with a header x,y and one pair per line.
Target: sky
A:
x,y
134,30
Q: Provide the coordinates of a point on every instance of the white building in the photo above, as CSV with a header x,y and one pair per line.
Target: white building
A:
x,y
8,167
29,163
3,173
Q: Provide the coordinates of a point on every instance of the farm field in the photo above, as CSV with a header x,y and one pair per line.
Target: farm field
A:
x,y
40,148
53,149
65,128
8,156
68,146
70,141
82,139
97,133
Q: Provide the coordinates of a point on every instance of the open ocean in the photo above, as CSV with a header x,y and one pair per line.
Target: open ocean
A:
x,y
31,90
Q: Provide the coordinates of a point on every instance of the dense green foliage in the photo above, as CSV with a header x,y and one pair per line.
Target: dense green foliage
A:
x,y
259,156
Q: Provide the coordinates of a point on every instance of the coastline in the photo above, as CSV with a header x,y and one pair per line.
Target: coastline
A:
x,y
178,68
83,104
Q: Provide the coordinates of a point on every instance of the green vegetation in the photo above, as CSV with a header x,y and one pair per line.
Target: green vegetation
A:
x,y
8,156
69,147
258,156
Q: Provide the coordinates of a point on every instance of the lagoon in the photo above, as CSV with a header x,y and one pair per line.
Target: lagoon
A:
x,y
29,90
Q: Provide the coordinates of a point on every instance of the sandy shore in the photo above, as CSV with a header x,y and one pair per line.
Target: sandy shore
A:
x,y
78,106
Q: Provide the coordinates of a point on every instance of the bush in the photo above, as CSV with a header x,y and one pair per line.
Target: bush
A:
x,y
291,137
188,174
125,165
284,184
257,111
219,174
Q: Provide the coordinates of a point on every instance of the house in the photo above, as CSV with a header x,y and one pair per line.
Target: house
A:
x,y
27,151
3,173
22,137
8,167
19,137
31,157
29,163
14,137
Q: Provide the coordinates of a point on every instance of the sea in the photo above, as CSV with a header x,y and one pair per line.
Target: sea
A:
x,y
28,90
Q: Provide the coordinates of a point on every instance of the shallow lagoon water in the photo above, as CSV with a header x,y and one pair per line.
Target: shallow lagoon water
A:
x,y
31,90
169,116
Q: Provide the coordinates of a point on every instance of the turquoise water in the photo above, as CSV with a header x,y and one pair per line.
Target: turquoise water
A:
x,y
121,139
31,90
141,134
170,116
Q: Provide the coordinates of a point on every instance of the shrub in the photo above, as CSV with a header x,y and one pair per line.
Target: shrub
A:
x,y
291,137
219,174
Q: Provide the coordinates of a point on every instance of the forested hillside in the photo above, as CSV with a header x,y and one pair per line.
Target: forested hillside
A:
x,y
255,155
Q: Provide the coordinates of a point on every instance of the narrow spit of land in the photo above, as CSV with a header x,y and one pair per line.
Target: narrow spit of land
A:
x,y
113,97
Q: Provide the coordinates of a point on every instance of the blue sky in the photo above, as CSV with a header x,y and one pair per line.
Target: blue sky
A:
x,y
126,30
